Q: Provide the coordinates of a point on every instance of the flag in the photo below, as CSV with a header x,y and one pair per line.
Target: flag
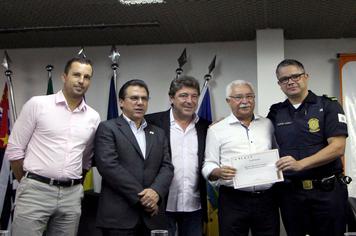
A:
x,y
81,53
49,69
6,61
112,107
212,227
93,176
50,86
6,190
212,65
347,71
205,106
183,58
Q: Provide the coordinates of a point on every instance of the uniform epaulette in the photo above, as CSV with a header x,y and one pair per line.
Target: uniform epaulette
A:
x,y
330,97
276,106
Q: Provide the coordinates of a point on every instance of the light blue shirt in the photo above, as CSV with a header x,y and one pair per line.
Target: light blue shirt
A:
x,y
139,133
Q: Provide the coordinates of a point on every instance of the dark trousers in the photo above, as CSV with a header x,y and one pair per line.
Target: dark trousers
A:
x,y
315,212
241,211
188,223
139,230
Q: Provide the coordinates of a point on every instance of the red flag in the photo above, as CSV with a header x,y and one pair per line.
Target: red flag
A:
x,y
4,127
6,190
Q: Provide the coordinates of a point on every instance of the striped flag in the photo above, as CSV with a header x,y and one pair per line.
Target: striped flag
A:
x,y
6,190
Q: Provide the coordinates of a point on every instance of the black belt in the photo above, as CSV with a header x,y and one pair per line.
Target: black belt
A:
x,y
326,183
51,181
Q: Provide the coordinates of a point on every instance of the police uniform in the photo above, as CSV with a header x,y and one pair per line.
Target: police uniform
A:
x,y
312,201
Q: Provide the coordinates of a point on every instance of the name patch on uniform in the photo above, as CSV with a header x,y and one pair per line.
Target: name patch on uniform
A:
x,y
313,125
342,118
284,123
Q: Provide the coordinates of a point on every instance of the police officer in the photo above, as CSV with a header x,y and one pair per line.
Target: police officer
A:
x,y
311,133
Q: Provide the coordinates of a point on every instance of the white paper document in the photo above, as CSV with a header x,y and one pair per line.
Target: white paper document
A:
x,y
256,169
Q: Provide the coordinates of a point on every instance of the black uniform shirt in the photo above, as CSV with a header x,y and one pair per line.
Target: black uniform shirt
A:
x,y
304,131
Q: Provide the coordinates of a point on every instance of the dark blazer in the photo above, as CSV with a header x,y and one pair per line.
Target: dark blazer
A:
x,y
162,119
126,173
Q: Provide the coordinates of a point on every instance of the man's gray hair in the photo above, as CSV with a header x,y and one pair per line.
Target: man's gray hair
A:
x,y
237,83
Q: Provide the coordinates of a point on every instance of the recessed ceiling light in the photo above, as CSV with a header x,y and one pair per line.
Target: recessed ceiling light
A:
x,y
139,2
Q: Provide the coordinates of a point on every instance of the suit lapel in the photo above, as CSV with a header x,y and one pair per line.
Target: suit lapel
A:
x,y
166,126
127,132
166,122
201,140
149,133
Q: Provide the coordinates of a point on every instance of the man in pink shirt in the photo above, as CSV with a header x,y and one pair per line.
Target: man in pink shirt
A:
x,y
50,147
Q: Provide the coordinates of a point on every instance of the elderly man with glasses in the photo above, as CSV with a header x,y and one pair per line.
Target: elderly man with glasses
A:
x,y
311,132
243,132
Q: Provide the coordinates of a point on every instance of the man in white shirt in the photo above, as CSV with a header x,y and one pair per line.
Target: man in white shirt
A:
x,y
49,147
242,132
186,132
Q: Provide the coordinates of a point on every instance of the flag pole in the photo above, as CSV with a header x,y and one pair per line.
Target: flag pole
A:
x,y
204,110
207,79
114,56
49,69
208,76
8,73
114,67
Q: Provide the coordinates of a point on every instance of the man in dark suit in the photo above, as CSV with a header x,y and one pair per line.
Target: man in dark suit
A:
x,y
133,158
186,205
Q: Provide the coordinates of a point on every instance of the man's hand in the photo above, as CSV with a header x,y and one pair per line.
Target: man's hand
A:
x,y
224,173
17,169
289,163
152,210
148,198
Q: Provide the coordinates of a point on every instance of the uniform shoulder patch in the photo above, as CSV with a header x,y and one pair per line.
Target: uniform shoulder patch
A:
x,y
330,97
276,106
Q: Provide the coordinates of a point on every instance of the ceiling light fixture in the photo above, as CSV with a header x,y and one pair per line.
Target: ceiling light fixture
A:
x,y
139,2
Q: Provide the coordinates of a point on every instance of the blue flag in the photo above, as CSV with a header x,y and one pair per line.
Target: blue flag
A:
x,y
205,107
112,107
212,227
205,113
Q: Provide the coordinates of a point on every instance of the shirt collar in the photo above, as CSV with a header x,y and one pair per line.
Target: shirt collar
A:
x,y
172,120
133,124
231,119
310,98
59,98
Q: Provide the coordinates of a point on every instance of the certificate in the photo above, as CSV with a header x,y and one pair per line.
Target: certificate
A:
x,y
256,169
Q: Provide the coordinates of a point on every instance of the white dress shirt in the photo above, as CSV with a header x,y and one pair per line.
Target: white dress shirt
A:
x,y
184,195
229,138
139,133
54,141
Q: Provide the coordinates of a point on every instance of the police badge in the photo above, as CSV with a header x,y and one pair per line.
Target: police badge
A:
x,y
313,125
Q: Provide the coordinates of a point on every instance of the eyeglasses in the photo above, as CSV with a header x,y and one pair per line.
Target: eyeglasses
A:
x,y
240,97
138,98
296,77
